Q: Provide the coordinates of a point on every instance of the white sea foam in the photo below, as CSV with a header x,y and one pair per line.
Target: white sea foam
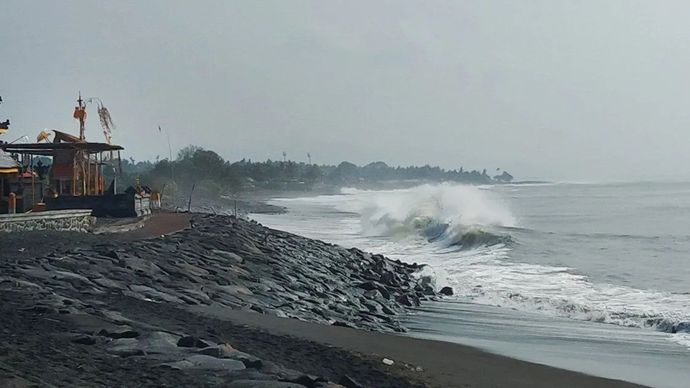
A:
x,y
400,212
390,222
485,274
486,277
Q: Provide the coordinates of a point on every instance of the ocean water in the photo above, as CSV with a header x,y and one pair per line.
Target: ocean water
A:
x,y
588,277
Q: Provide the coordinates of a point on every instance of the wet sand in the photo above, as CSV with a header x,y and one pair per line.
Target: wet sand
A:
x,y
443,364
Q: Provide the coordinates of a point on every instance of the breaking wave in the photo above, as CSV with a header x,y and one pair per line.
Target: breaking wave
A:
x,y
475,237
474,231
472,242
454,215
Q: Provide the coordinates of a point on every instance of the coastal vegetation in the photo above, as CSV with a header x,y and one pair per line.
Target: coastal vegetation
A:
x,y
210,173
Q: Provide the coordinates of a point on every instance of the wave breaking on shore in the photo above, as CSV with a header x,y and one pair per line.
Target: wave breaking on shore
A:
x,y
471,235
451,215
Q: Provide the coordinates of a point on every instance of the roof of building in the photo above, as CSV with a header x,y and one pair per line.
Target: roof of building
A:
x,y
49,149
7,164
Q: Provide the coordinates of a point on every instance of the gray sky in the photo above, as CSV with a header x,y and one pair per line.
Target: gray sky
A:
x,y
569,90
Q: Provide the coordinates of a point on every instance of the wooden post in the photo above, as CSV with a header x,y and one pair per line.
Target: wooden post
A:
x,y
86,161
189,204
82,117
12,208
98,173
92,178
74,174
85,174
99,165
98,176
33,186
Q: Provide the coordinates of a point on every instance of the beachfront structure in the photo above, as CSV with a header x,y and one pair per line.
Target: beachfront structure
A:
x,y
9,172
76,169
77,165
67,173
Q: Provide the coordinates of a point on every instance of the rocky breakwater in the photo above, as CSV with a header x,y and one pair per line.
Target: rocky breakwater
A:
x,y
242,265
143,298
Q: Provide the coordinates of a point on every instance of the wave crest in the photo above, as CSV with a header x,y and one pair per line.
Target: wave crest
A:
x,y
456,215
475,237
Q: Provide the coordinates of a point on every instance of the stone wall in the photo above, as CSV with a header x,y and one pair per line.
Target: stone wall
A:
x,y
73,220
117,205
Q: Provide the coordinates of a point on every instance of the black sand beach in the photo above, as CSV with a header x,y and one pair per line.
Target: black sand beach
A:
x,y
228,303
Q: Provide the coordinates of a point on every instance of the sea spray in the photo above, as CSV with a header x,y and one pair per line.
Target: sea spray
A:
x,y
457,214
472,227
518,265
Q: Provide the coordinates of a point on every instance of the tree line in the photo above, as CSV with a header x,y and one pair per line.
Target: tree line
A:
x,y
210,173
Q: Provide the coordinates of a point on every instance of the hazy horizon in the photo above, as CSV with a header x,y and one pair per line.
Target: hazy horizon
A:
x,y
553,90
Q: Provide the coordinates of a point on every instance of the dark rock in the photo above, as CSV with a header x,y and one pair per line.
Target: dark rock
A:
x,y
250,374
349,382
204,362
111,254
257,309
446,291
191,342
252,363
415,300
84,340
425,281
188,300
263,384
368,286
423,289
387,310
378,258
122,334
372,306
41,309
389,279
220,351
307,380
405,300
124,353
248,360
279,371
384,293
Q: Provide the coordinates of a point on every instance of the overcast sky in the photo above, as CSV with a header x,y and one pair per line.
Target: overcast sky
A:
x,y
565,90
